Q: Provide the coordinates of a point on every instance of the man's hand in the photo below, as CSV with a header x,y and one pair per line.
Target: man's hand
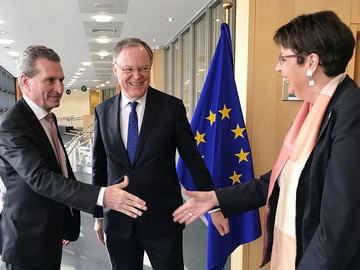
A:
x,y
118,199
98,228
220,222
199,203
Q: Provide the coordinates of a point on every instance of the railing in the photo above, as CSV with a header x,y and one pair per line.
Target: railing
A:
x,y
68,120
80,148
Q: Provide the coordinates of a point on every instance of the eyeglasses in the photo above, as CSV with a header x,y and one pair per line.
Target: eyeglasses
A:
x,y
283,57
132,70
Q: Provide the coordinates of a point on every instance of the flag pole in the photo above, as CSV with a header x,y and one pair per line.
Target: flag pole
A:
x,y
228,5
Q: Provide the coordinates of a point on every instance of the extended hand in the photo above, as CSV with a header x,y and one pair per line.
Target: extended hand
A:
x,y
220,222
118,199
199,203
98,228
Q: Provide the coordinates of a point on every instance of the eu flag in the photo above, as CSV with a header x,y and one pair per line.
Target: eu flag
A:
x,y
221,138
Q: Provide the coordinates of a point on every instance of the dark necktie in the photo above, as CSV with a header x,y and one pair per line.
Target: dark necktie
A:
x,y
132,132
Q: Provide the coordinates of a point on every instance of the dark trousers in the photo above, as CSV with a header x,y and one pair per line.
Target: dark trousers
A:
x,y
165,253
15,267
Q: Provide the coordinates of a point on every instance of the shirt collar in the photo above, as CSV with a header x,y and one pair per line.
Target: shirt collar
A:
x,y
38,111
125,101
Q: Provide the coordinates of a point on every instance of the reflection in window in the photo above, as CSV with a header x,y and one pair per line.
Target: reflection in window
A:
x,y
200,71
176,68
186,70
217,18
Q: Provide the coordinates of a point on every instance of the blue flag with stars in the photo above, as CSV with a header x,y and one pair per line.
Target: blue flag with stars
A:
x,y
221,138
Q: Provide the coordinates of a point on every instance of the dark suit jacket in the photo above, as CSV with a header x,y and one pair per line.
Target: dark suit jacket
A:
x,y
32,221
328,194
153,176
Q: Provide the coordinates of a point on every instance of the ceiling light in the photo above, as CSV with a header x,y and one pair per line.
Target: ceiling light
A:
x,y
86,63
171,19
102,18
103,54
103,5
103,84
75,77
14,54
3,32
73,80
6,41
78,73
81,69
107,82
154,39
103,40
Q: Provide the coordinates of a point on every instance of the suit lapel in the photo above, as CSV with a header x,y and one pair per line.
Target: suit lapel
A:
x,y
114,128
152,108
342,90
46,149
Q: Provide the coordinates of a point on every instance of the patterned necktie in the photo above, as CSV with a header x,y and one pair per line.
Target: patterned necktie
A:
x,y
55,140
132,132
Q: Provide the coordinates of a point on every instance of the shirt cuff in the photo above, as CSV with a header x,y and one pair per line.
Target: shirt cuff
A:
x,y
100,199
214,210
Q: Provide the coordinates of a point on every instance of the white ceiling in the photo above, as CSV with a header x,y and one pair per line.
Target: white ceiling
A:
x,y
67,27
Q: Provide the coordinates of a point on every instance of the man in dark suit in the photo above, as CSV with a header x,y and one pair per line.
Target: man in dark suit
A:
x,y
148,159
39,182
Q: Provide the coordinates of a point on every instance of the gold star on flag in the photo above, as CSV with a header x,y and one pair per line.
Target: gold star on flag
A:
x,y
211,118
225,112
199,137
242,155
238,131
235,178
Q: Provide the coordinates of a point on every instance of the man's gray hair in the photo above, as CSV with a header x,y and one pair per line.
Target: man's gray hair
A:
x,y
27,59
131,42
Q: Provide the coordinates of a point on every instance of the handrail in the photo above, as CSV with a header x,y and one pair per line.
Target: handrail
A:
x,y
80,146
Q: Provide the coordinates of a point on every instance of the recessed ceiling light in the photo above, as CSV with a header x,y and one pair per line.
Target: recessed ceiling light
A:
x,y
170,19
78,73
75,77
14,54
103,5
3,32
86,63
102,18
103,54
103,40
73,80
81,69
154,39
107,82
6,41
